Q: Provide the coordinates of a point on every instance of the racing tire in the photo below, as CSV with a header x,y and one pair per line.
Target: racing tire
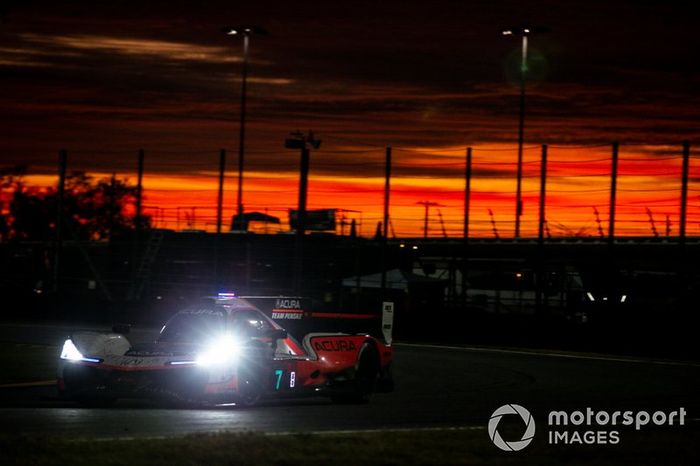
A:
x,y
366,373
249,391
79,388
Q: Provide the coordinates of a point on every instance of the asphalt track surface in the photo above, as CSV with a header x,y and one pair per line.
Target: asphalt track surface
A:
x,y
436,387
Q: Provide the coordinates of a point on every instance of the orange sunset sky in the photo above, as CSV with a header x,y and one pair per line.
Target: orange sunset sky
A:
x,y
428,80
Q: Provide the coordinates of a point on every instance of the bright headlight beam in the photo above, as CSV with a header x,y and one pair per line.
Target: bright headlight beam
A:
x,y
71,353
221,351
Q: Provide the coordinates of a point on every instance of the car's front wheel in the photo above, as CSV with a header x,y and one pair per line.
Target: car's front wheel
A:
x,y
249,389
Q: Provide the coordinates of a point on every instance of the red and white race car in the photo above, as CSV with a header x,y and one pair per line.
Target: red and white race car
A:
x,y
223,350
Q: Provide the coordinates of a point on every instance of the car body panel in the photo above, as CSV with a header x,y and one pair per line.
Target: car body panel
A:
x,y
267,362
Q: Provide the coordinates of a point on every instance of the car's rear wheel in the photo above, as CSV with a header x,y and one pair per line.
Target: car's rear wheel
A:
x,y
366,373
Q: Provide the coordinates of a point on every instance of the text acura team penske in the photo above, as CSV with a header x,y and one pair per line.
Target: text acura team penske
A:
x,y
219,351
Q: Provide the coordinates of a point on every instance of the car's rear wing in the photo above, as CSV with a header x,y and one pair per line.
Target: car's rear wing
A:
x,y
301,316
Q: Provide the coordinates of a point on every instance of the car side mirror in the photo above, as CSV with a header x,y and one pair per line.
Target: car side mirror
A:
x,y
124,329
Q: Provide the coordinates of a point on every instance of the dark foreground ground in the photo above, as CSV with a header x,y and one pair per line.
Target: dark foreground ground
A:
x,y
370,448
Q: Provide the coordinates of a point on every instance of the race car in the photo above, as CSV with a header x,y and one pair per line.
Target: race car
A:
x,y
223,350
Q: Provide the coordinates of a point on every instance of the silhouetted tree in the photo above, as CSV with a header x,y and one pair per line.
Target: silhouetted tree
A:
x,y
109,199
33,214
92,210
10,179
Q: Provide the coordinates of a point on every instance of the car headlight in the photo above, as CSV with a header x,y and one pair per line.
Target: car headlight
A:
x,y
71,353
222,350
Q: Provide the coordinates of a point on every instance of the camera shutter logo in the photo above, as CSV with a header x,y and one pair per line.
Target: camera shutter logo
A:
x,y
529,427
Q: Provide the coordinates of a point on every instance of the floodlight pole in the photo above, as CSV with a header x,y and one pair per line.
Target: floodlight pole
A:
x,y
301,217
298,140
241,136
523,33
521,137
303,190
246,32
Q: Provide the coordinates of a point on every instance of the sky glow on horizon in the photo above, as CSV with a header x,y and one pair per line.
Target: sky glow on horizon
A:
x,y
103,81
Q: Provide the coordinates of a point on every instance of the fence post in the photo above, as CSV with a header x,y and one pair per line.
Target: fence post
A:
x,y
385,226
684,190
613,193
467,206
539,279
58,242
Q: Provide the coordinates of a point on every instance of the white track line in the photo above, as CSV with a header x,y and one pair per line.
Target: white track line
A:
x,y
377,431
43,383
552,355
288,433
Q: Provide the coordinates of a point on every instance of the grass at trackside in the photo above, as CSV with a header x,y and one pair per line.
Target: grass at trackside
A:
x,y
387,448
27,363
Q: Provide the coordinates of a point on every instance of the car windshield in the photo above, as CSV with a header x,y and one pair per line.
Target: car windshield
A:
x,y
192,327
250,323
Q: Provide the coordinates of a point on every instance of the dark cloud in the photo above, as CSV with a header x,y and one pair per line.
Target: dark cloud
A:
x,y
118,76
